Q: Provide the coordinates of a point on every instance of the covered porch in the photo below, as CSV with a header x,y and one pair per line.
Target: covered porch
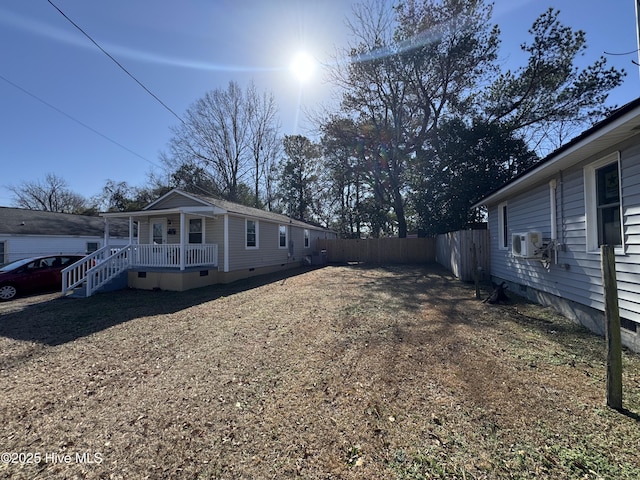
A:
x,y
170,243
174,238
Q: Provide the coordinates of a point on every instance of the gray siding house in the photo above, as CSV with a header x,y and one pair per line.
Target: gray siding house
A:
x,y
547,225
186,241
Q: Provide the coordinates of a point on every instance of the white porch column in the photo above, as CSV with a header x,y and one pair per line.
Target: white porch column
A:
x,y
182,243
106,231
130,230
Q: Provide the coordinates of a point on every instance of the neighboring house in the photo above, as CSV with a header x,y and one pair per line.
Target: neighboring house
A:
x,y
27,233
187,241
547,225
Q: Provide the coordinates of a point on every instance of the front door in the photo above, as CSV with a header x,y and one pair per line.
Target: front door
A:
x,y
158,237
158,231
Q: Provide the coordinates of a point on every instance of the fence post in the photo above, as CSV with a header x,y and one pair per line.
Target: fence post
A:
x,y
612,327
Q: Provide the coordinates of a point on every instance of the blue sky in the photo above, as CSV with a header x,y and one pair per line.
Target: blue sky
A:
x,y
181,50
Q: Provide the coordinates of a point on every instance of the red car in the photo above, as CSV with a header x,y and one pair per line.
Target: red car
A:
x,y
35,274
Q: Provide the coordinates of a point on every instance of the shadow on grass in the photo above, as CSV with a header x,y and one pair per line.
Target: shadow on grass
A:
x,y
409,285
65,319
629,414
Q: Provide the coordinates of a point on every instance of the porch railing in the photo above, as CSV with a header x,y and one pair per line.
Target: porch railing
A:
x,y
168,255
75,275
109,268
101,266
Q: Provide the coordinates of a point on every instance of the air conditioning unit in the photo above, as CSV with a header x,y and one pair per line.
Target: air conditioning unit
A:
x,y
526,245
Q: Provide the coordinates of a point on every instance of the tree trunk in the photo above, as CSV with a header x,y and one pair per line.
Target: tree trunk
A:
x,y
398,208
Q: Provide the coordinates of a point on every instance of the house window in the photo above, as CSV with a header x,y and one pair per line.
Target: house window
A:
x,y
282,236
307,240
603,207
92,247
608,205
251,233
195,230
503,227
3,253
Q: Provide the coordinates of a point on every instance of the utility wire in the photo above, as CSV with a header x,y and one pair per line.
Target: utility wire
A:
x,y
53,107
625,53
116,62
124,70
62,112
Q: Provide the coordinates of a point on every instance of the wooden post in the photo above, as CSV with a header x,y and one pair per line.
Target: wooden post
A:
x,y
612,327
476,276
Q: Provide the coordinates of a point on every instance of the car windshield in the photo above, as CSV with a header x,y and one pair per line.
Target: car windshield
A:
x,y
13,265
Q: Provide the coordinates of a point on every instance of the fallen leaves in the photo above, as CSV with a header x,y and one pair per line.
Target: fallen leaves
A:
x,y
341,372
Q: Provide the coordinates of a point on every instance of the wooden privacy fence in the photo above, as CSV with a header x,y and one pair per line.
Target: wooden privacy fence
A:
x,y
454,251
379,250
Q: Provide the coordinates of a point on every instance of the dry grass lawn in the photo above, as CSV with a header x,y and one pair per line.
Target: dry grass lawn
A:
x,y
344,372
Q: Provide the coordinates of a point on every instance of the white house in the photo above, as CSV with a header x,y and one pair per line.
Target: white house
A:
x,y
27,233
547,225
186,241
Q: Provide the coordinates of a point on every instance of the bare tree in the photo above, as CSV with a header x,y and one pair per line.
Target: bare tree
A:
x,y
229,135
50,195
265,144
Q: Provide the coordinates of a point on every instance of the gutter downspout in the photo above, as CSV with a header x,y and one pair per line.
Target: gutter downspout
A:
x,y
553,185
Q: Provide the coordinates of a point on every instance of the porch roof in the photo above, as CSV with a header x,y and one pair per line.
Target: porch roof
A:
x,y
204,211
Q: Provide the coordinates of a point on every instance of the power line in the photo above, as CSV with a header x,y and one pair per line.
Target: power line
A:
x,y
53,107
109,139
116,62
624,53
124,70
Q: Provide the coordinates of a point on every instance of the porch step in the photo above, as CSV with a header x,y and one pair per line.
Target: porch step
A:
x,y
119,282
78,292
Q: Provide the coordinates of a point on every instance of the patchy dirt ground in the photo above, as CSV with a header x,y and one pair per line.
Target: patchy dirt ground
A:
x,y
344,372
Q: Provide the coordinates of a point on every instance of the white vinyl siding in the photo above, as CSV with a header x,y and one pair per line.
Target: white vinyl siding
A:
x,y
577,276
24,246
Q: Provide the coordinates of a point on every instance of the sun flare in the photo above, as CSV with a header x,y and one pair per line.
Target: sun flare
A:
x,y
302,66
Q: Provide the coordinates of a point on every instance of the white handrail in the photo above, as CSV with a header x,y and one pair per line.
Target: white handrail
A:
x,y
167,255
107,269
102,265
74,275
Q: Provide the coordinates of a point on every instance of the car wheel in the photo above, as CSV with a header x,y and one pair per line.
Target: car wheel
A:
x,y
8,292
